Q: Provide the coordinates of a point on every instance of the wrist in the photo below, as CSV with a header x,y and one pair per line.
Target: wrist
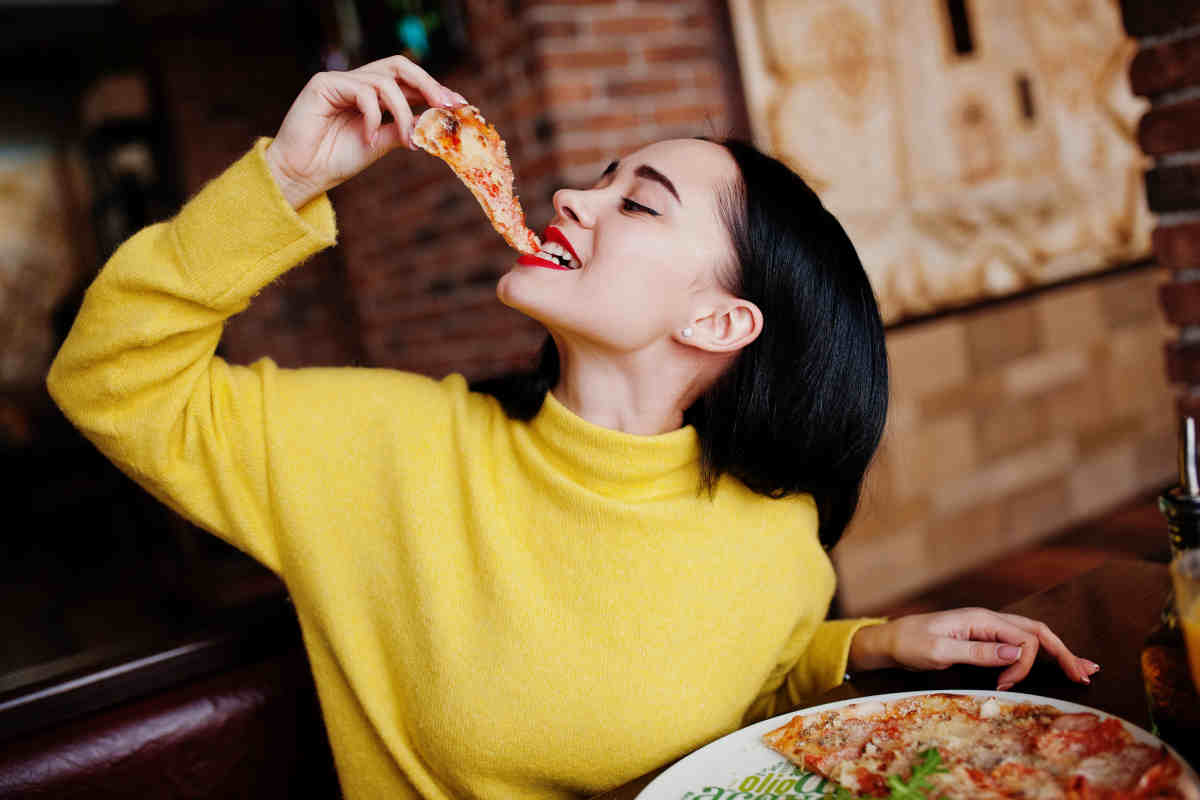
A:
x,y
296,192
872,648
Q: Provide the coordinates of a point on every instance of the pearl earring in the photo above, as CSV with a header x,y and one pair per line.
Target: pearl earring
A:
x,y
687,333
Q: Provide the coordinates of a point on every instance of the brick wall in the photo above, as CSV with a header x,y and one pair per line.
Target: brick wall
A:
x,y
1167,70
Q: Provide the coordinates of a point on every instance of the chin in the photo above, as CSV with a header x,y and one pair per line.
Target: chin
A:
x,y
509,292
504,291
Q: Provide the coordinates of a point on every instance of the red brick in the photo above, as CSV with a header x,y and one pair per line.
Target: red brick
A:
x,y
676,53
1178,246
1167,66
583,59
645,86
1174,188
623,26
583,155
549,29
1170,129
705,78
565,93
1183,363
1155,17
1180,302
685,114
536,169
526,106
605,122
1188,404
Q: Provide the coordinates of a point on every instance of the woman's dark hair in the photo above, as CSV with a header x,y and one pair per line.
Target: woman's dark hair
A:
x,y
802,408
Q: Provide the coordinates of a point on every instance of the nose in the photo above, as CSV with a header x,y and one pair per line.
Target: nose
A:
x,y
575,205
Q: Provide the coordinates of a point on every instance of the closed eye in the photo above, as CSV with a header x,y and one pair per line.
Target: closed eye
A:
x,y
636,208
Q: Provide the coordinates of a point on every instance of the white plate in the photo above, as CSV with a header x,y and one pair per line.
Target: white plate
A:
x,y
740,767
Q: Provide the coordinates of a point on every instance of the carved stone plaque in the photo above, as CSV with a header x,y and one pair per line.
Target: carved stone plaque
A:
x,y
971,148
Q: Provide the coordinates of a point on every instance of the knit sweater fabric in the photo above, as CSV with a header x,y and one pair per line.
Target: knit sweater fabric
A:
x,y
491,608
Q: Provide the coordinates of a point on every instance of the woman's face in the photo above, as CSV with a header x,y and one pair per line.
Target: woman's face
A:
x,y
645,244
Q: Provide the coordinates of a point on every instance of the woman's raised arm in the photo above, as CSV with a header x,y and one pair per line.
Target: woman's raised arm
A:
x,y
334,129
137,374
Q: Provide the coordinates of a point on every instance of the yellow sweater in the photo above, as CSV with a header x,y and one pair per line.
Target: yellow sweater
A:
x,y
491,608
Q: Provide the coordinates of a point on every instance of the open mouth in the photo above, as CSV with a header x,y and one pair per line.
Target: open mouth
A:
x,y
557,247
555,252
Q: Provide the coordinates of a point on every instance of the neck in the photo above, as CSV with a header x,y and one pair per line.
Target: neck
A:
x,y
644,393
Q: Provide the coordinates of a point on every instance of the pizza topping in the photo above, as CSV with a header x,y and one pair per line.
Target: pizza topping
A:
x,y
893,787
990,709
985,748
1119,770
474,150
1074,741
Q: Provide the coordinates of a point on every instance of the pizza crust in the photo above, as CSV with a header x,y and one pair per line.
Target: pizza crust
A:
x,y
462,138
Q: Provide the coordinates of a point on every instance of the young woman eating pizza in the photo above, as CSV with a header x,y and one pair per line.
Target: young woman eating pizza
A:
x,y
553,584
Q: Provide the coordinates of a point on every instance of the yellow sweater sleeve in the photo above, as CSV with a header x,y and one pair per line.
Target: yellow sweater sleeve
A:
x,y
137,373
820,666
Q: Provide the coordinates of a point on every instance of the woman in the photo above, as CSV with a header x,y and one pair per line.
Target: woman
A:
x,y
553,588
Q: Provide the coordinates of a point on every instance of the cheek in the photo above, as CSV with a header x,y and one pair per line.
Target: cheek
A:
x,y
644,302
637,279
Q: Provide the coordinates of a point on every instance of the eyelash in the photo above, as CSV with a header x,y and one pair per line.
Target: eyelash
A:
x,y
636,208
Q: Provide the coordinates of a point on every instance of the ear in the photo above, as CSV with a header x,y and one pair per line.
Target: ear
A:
x,y
727,328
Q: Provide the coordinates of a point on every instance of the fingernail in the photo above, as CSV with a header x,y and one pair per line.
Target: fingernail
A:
x,y
1092,666
1008,652
1004,687
462,101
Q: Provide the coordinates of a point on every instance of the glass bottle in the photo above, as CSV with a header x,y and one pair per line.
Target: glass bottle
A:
x,y
1173,701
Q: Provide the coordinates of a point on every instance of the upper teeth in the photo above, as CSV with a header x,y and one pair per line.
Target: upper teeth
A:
x,y
559,253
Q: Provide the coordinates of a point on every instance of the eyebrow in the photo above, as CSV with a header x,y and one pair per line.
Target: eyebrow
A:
x,y
651,174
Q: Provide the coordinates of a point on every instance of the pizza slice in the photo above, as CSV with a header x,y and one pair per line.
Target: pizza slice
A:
x,y
962,746
474,150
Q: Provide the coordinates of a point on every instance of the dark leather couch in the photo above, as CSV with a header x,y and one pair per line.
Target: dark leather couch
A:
x,y
254,731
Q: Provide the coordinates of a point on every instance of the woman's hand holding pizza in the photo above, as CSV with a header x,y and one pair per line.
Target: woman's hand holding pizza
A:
x,y
334,129
965,636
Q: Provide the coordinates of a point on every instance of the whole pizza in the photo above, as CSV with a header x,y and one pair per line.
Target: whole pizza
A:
x,y
970,746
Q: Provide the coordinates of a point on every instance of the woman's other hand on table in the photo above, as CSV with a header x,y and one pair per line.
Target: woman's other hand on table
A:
x,y
335,127
965,636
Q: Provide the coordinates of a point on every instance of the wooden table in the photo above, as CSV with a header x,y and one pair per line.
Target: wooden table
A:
x,y
1102,615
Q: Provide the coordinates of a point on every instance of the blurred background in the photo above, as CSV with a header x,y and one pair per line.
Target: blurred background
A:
x,y
1001,166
